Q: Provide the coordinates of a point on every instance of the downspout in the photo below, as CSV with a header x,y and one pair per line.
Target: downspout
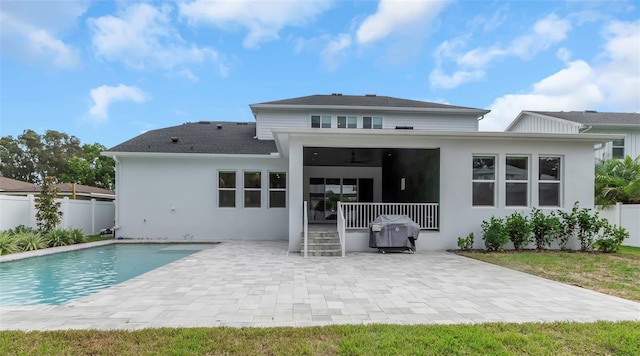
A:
x,y
117,201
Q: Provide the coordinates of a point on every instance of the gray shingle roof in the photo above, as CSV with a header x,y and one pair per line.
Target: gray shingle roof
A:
x,y
595,118
200,137
361,100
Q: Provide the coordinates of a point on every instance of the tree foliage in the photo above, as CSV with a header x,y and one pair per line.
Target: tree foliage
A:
x,y
618,181
31,157
48,214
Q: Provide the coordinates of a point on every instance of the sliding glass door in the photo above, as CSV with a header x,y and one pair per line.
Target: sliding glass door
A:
x,y
324,194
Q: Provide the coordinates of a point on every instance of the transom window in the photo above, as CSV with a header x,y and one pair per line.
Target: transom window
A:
x,y
549,181
252,189
617,150
349,122
226,189
277,190
484,180
321,121
371,122
517,181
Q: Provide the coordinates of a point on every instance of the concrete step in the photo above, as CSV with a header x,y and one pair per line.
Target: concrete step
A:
x,y
322,253
320,234
321,246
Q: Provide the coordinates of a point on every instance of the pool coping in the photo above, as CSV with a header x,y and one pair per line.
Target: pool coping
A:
x,y
81,246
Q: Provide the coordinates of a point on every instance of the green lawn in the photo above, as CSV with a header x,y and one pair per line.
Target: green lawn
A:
x,y
612,273
94,238
602,338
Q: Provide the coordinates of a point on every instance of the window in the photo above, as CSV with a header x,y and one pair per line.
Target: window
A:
x,y
549,181
277,190
323,121
252,185
517,181
227,189
350,122
484,180
617,150
372,122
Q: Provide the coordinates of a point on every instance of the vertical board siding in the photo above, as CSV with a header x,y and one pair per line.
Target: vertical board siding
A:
x,y
531,123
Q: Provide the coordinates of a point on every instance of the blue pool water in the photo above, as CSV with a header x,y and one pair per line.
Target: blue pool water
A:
x,y
63,277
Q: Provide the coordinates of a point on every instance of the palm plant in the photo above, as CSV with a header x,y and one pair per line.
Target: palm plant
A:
x,y
59,237
77,236
618,181
8,243
29,241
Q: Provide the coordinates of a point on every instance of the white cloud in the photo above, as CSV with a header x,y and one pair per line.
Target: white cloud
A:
x,y
142,36
263,19
394,15
612,83
105,95
30,31
439,79
545,32
333,53
563,54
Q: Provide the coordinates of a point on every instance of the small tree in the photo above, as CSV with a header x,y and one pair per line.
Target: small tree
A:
x,y
48,214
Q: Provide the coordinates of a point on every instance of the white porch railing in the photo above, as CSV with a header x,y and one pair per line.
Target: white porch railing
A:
x,y
360,215
341,228
305,228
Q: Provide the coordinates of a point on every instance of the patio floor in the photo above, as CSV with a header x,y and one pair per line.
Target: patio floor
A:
x,y
247,283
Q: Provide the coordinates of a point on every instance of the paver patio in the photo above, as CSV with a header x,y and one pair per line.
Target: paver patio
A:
x,y
248,283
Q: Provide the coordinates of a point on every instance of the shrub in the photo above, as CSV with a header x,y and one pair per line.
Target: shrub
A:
x,y
519,230
494,234
589,227
545,228
59,237
8,243
569,226
20,229
611,239
29,241
77,236
466,243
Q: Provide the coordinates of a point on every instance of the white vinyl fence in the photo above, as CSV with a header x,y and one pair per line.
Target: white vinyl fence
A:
x,y
88,215
627,216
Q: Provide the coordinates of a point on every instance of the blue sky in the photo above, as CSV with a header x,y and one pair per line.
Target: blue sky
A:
x,y
107,71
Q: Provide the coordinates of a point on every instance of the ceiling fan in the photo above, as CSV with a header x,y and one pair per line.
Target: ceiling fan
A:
x,y
353,159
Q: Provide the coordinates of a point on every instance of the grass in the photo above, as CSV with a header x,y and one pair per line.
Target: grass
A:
x,y
94,238
611,273
601,338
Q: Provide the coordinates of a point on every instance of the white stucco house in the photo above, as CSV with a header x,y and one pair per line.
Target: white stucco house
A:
x,y
589,121
345,158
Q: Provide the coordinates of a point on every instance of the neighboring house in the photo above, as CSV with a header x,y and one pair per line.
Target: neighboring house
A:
x,y
10,186
627,124
373,154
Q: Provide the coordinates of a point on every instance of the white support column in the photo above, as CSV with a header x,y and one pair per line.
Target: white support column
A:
x,y
296,182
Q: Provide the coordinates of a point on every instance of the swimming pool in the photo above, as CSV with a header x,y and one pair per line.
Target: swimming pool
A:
x,y
63,277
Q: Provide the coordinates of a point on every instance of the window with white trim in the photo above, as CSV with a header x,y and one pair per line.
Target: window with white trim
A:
x,y
321,121
227,189
484,180
277,190
252,189
617,149
372,122
516,181
348,122
549,181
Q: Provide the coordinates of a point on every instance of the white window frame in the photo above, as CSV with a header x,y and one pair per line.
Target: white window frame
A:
x,y
520,181
235,203
373,119
278,189
350,121
546,181
488,181
245,189
614,147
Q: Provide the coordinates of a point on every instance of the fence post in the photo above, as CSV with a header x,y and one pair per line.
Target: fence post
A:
x,y
65,212
31,217
93,216
619,214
